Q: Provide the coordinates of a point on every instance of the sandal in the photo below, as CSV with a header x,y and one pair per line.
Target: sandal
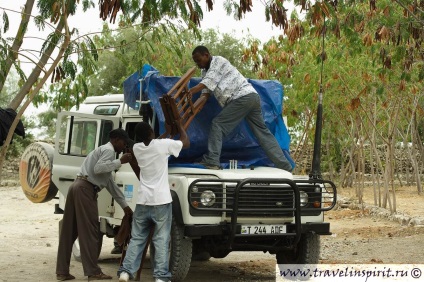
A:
x,y
100,276
63,277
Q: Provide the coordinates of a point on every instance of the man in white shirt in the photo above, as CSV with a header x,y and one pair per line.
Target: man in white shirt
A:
x,y
154,201
239,100
81,216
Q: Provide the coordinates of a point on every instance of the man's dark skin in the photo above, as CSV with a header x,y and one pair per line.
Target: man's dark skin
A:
x,y
203,61
119,145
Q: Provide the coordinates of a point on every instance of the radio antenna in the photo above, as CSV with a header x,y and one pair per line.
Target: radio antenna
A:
x,y
316,159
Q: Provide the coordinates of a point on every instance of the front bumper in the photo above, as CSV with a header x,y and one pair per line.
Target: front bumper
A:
x,y
224,229
261,198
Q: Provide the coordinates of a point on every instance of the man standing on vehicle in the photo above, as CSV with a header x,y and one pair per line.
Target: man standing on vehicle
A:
x,y
239,100
154,201
81,218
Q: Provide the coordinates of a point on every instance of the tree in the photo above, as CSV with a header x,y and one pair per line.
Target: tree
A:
x,y
10,88
62,64
157,51
372,80
343,18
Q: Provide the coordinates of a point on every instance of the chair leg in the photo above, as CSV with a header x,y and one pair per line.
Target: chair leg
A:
x,y
149,239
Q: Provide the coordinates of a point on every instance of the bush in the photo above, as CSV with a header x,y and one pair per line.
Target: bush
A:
x,y
18,145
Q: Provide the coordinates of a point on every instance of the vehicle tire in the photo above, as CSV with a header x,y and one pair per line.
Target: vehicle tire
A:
x,y
76,248
179,254
35,172
306,252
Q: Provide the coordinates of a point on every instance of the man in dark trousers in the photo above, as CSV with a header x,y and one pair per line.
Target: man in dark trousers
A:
x,y
81,218
239,100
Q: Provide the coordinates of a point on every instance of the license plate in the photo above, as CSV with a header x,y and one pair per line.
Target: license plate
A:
x,y
262,229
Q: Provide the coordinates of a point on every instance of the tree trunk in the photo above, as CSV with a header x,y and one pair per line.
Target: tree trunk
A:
x,y
386,195
379,167
342,169
302,148
374,156
35,74
40,84
391,171
416,143
361,170
330,159
12,53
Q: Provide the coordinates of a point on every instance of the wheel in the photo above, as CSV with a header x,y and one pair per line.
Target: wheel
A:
x,y
179,252
306,252
76,248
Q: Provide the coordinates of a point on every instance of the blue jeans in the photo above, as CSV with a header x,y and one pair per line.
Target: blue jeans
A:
x,y
247,107
144,218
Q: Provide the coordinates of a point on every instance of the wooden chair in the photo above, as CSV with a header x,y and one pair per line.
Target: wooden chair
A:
x,y
143,257
177,105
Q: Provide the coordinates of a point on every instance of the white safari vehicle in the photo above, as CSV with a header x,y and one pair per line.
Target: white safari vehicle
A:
x,y
215,212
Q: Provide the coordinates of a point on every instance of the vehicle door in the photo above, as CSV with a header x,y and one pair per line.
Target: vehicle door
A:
x,y
78,134
125,177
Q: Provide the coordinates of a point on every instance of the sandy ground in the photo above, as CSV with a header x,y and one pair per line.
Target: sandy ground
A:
x,y
29,242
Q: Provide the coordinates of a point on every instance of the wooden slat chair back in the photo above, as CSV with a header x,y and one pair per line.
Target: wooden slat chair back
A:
x,y
176,105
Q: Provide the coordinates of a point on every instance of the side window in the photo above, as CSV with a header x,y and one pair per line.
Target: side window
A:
x,y
89,143
81,134
83,138
105,128
80,140
130,128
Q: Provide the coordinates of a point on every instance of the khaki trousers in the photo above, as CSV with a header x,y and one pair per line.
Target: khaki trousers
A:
x,y
81,219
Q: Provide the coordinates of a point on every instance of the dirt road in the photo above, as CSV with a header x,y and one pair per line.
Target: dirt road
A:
x,y
29,234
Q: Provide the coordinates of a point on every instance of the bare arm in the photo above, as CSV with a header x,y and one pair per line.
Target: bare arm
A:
x,y
201,101
134,164
199,87
183,135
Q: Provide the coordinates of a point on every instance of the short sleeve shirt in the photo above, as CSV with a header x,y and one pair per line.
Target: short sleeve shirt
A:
x,y
225,81
153,163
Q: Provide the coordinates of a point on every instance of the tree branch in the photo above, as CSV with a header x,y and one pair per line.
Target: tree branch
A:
x,y
17,42
31,96
410,12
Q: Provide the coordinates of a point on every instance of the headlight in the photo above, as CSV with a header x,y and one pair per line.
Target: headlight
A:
x,y
207,198
303,198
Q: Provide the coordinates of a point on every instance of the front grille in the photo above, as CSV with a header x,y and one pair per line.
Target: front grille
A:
x,y
267,198
254,200
262,200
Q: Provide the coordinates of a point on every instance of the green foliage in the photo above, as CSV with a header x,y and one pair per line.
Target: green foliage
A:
x,y
53,39
10,88
169,50
370,78
47,120
5,22
39,22
373,58
18,145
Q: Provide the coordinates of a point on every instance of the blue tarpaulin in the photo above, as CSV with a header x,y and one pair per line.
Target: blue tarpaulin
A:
x,y
131,86
240,145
